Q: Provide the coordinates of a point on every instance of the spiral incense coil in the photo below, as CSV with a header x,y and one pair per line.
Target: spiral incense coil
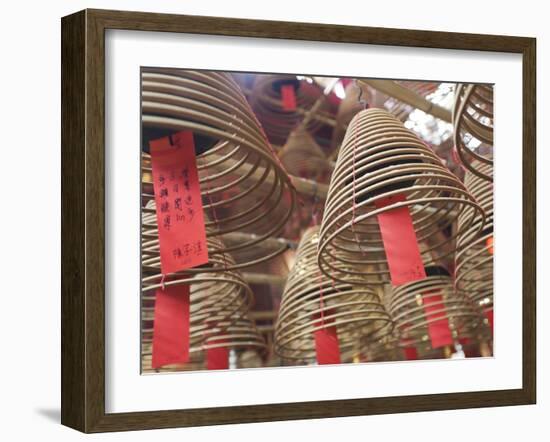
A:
x,y
408,302
303,157
216,297
312,302
242,181
474,262
473,128
241,336
266,100
380,158
386,349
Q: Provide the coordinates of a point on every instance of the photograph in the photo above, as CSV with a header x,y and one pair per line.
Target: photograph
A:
x,y
301,220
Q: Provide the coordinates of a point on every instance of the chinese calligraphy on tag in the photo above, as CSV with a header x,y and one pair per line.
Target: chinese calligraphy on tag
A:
x,y
180,219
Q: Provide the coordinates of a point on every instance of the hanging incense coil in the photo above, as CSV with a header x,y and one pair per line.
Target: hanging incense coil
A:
x,y
358,97
312,302
303,157
218,298
380,158
473,128
408,303
242,181
240,336
278,122
216,293
474,260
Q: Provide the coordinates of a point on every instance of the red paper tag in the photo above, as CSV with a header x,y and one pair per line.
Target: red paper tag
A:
x,y
327,347
288,97
439,331
171,326
399,238
217,358
489,243
489,316
180,218
410,353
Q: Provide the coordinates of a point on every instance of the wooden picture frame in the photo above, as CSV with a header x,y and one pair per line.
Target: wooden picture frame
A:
x,y
83,220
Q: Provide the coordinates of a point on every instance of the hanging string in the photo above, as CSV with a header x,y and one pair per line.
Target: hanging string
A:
x,y
354,206
360,99
315,206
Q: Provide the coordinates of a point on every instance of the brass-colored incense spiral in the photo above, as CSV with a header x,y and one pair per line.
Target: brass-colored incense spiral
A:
x,y
219,299
379,159
241,335
473,128
303,157
311,301
267,104
474,261
244,187
407,304
355,101
217,293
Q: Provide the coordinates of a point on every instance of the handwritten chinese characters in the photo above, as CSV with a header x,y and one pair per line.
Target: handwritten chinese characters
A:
x,y
180,218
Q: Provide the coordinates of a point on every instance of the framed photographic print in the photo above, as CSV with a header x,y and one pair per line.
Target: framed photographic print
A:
x,y
266,220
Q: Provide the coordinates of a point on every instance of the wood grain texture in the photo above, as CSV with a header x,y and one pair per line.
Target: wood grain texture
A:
x,y
83,217
72,222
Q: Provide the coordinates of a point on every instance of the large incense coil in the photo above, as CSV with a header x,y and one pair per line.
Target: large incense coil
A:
x,y
312,302
242,181
240,336
380,158
407,304
474,262
277,122
358,97
219,298
217,294
473,128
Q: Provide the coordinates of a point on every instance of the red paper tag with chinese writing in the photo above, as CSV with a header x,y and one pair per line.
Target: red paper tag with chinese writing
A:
x,y
399,238
288,96
180,218
171,326
217,358
434,309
